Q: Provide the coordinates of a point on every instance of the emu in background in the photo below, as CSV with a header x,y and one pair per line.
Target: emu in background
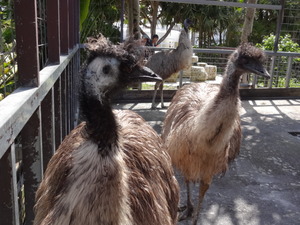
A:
x,y
166,63
202,130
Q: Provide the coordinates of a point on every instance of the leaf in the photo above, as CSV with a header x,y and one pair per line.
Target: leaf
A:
x,y
84,10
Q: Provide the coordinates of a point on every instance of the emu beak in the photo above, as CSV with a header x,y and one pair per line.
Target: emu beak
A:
x,y
260,70
144,74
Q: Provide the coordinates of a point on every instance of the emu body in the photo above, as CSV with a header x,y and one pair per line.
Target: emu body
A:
x,y
202,129
112,168
166,63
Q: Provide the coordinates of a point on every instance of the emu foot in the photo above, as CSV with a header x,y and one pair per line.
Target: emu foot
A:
x,y
185,212
154,106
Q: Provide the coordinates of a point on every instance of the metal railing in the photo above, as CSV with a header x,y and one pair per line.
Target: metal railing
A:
x,y
282,66
42,110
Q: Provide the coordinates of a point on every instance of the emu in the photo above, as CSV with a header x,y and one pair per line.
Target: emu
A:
x,y
202,130
112,168
166,63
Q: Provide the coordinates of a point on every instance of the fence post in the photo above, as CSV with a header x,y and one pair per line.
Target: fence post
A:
x,y
32,155
272,67
27,43
53,31
48,140
58,112
9,207
64,27
288,72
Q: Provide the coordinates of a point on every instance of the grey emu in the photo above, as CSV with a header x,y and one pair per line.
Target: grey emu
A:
x,y
166,63
112,168
202,129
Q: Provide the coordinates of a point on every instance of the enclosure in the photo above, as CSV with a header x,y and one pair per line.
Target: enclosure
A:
x,y
40,65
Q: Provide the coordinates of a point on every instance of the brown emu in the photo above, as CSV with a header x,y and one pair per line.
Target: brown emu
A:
x,y
112,168
202,129
166,63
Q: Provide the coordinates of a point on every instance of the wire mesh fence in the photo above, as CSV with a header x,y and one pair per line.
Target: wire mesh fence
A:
x,y
291,20
42,33
8,59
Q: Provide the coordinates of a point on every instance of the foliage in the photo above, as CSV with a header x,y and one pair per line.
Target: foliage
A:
x,y
280,83
264,24
84,10
8,66
285,44
100,19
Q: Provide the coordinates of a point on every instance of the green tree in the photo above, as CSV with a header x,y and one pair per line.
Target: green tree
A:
x,y
8,66
285,44
100,19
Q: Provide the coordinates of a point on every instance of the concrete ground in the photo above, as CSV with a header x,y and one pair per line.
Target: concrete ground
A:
x,y
262,186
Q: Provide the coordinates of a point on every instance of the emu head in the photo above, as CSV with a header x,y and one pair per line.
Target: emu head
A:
x,y
248,58
186,24
111,67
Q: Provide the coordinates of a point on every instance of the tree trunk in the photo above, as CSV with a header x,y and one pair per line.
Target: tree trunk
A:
x,y
247,30
133,9
154,6
248,22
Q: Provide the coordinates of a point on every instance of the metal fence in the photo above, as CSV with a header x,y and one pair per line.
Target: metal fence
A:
x,y
42,110
43,68
284,68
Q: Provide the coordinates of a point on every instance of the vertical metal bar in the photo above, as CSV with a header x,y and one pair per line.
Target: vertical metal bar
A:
x,y
180,78
58,112
15,186
53,31
32,166
76,21
64,26
272,71
27,45
47,129
254,82
53,120
288,72
72,74
76,86
63,104
71,24
68,99
279,25
6,189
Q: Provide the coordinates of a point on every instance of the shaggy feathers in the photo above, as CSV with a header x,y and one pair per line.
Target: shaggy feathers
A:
x,y
202,130
166,63
112,168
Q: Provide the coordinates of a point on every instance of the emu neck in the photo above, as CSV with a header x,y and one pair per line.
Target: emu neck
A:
x,y
101,124
230,84
220,112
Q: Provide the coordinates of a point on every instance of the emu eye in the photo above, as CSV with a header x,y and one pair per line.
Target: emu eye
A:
x,y
106,69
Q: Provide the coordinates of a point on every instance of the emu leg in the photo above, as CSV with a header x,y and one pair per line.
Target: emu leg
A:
x,y
202,190
154,96
161,86
188,209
